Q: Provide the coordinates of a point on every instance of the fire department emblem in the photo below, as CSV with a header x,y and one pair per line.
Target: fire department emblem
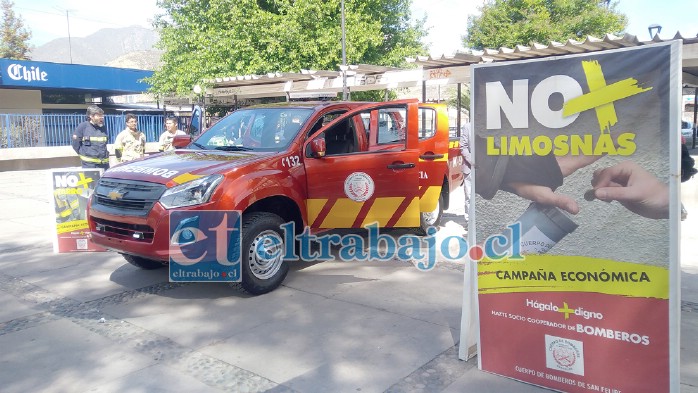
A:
x,y
359,186
564,354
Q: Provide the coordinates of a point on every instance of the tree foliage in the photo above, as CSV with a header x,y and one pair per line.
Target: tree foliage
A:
x,y
464,101
214,38
14,37
509,23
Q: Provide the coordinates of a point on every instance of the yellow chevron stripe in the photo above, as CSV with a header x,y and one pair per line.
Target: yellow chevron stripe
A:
x,y
430,198
343,214
379,211
314,208
452,144
410,218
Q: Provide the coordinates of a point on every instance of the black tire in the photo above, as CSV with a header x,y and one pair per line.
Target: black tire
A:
x,y
260,275
143,263
432,218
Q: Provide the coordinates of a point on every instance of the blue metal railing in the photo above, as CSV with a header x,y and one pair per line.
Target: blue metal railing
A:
x,y
29,130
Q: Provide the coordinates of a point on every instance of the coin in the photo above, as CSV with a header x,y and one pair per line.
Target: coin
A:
x,y
590,195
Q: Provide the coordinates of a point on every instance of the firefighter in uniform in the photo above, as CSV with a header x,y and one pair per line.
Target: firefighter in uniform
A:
x,y
90,140
130,143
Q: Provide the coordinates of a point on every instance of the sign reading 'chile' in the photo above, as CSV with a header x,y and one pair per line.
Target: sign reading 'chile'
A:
x,y
18,72
574,149
35,74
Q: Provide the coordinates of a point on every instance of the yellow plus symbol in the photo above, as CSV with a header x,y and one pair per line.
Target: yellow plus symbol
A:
x,y
601,96
84,181
566,310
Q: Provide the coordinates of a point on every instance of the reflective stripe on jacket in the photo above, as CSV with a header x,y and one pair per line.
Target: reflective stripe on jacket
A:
x,y
96,160
90,142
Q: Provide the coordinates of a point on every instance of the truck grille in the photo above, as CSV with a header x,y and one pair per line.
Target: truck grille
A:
x,y
122,230
126,197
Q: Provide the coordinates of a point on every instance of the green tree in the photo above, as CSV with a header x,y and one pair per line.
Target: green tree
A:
x,y
213,38
509,23
15,38
464,101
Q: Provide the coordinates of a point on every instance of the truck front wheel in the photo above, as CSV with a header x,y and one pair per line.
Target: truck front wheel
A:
x,y
262,247
143,263
432,218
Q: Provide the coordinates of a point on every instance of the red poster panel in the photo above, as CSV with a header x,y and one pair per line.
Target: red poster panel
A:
x,y
71,188
576,213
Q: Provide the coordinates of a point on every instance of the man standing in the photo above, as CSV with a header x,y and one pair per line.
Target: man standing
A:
x,y
90,140
171,131
130,143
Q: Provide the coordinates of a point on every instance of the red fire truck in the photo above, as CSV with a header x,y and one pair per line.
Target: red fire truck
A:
x,y
320,165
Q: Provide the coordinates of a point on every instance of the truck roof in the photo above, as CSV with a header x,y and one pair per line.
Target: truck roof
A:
x,y
308,104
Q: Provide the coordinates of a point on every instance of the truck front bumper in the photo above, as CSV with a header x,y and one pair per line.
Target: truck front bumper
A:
x,y
146,237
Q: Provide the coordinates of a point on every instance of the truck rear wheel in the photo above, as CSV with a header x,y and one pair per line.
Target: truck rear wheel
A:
x,y
262,258
143,263
432,218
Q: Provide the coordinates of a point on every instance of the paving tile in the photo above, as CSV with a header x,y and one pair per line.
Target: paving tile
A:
x,y
335,346
62,357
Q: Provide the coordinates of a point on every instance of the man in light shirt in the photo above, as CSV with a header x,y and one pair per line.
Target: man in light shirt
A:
x,y
171,131
130,143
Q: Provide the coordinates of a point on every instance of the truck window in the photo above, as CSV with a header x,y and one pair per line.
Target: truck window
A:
x,y
324,120
341,138
427,123
263,129
391,125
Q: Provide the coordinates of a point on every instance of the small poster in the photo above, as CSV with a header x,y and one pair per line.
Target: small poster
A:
x,y
71,189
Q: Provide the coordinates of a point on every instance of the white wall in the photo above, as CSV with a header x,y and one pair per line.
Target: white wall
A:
x,y
20,101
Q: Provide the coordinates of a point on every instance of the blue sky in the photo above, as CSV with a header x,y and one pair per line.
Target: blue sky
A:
x,y
446,19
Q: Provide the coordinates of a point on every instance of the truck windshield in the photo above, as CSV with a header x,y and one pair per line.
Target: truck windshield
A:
x,y
256,129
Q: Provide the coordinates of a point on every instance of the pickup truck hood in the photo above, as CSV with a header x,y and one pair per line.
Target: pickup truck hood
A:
x,y
163,168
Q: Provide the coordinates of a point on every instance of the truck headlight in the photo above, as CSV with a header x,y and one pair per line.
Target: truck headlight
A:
x,y
191,193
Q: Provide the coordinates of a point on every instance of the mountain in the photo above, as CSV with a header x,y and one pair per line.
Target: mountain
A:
x,y
142,60
105,47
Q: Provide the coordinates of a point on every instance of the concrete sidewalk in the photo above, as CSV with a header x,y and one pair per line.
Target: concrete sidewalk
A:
x,y
90,322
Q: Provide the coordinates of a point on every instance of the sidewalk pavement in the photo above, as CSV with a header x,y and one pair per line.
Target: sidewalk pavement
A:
x,y
90,322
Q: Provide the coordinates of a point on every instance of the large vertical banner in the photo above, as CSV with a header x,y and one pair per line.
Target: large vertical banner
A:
x,y
71,189
576,215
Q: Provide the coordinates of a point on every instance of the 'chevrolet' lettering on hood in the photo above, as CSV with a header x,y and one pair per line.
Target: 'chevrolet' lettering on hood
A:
x,y
146,170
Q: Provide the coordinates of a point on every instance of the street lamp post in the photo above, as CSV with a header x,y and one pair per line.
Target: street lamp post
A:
x,y
70,46
652,28
67,18
201,97
344,58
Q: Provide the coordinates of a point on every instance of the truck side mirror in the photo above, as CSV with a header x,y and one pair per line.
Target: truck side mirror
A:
x,y
180,141
318,148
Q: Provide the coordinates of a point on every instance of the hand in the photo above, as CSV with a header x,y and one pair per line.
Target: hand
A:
x,y
546,196
635,188
569,164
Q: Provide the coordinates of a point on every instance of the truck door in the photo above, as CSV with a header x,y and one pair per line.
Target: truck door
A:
x,y
349,186
433,154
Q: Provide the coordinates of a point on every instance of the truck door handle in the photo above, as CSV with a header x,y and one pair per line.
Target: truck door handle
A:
x,y
401,166
431,156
